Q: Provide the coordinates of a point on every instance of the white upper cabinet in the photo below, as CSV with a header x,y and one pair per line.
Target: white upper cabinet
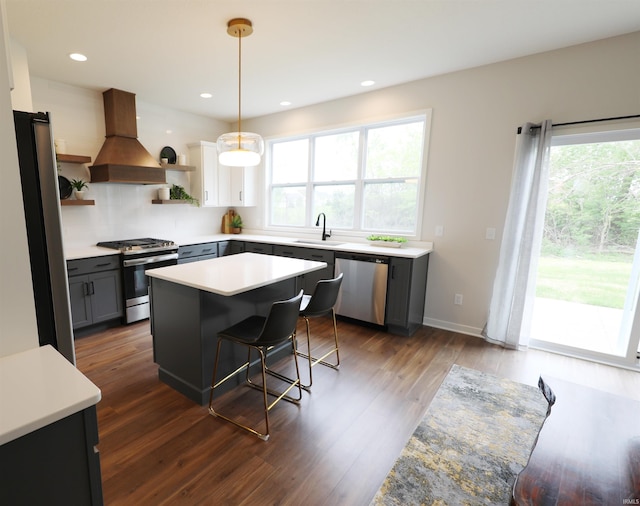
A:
x,y
218,185
203,181
242,186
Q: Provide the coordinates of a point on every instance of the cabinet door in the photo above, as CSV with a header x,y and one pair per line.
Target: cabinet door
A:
x,y
236,247
224,248
106,296
236,186
56,464
243,188
203,181
310,279
80,301
399,288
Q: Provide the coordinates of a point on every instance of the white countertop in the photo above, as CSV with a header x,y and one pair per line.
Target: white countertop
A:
x,y
230,275
332,244
76,252
38,387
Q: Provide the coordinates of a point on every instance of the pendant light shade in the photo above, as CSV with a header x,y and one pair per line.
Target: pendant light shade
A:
x,y
240,149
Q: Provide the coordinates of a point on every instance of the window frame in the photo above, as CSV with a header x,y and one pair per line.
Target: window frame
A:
x,y
359,183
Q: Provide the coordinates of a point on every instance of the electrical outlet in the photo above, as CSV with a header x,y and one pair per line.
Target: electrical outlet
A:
x,y
490,234
439,230
457,300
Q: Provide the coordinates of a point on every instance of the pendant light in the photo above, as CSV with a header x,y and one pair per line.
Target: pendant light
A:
x,y
240,149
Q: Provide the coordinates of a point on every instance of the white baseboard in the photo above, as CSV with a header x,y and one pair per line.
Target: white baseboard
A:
x,y
454,327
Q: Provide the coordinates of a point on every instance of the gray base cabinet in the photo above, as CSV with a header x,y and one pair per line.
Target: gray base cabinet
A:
x,y
95,290
308,281
236,247
197,252
57,464
186,322
224,248
254,247
406,291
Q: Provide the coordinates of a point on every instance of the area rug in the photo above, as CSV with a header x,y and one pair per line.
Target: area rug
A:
x,y
474,439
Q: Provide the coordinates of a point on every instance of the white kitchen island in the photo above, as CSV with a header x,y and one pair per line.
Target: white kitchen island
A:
x,y
192,302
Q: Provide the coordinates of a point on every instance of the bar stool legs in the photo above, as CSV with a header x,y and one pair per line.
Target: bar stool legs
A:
x,y
261,334
313,361
321,303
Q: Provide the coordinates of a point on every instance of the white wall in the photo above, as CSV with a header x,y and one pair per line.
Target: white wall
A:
x,y
18,326
124,210
475,116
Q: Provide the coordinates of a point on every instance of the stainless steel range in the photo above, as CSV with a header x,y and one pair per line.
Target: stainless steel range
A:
x,y
138,256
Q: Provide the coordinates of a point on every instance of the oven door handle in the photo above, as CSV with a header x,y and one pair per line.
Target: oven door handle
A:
x,y
149,260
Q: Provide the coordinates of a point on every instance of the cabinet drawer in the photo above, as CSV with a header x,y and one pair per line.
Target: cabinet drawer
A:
x,y
196,250
254,247
317,255
89,265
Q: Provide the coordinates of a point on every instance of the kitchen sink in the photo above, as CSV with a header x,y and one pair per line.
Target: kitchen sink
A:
x,y
318,241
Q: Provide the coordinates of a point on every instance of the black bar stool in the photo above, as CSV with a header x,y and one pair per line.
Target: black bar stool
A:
x,y
321,303
261,333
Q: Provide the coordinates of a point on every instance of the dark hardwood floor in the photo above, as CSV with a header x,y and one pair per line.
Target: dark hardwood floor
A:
x,y
157,447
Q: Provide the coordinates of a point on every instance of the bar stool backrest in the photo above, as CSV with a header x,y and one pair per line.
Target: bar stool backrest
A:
x,y
324,297
281,321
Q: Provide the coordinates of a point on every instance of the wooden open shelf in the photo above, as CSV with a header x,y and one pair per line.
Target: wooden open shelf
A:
x,y
77,202
173,166
63,157
171,201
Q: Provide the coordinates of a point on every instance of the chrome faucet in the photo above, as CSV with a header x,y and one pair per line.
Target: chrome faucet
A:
x,y
324,222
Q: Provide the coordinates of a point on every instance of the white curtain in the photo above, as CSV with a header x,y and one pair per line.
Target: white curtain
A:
x,y
509,319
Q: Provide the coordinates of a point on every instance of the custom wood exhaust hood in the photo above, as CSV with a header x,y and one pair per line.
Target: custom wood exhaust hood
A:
x,y
122,159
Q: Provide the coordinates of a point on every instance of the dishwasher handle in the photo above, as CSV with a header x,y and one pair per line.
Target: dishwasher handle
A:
x,y
363,258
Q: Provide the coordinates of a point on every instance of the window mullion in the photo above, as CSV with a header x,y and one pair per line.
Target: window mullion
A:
x,y
310,173
359,186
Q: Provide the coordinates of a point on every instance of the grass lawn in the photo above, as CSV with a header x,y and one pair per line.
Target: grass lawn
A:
x,y
600,281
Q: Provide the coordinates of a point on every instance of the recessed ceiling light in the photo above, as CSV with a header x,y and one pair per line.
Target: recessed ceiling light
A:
x,y
285,102
78,57
367,83
206,95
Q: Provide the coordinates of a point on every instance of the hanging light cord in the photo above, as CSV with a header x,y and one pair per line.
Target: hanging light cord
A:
x,y
239,85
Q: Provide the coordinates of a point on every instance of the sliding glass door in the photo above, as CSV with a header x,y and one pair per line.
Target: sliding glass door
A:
x,y
588,277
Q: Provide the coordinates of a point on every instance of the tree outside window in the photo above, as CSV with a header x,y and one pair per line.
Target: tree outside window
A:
x,y
365,179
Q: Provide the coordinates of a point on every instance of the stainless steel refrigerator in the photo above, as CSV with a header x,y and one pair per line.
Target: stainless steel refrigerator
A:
x,y
41,197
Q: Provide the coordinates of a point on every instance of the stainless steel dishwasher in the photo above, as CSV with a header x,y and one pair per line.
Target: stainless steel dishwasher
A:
x,y
363,295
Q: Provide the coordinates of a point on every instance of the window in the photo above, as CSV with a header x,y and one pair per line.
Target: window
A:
x,y
366,179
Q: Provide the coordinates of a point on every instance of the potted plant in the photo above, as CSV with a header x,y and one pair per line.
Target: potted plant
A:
x,y
177,192
236,224
386,240
78,186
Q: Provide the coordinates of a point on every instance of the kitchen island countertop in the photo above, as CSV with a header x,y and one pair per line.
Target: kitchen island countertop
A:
x,y
231,275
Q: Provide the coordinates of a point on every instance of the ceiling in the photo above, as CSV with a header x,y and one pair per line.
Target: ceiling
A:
x,y
167,52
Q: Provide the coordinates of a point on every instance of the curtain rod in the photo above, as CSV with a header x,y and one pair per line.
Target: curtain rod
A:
x,y
613,118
